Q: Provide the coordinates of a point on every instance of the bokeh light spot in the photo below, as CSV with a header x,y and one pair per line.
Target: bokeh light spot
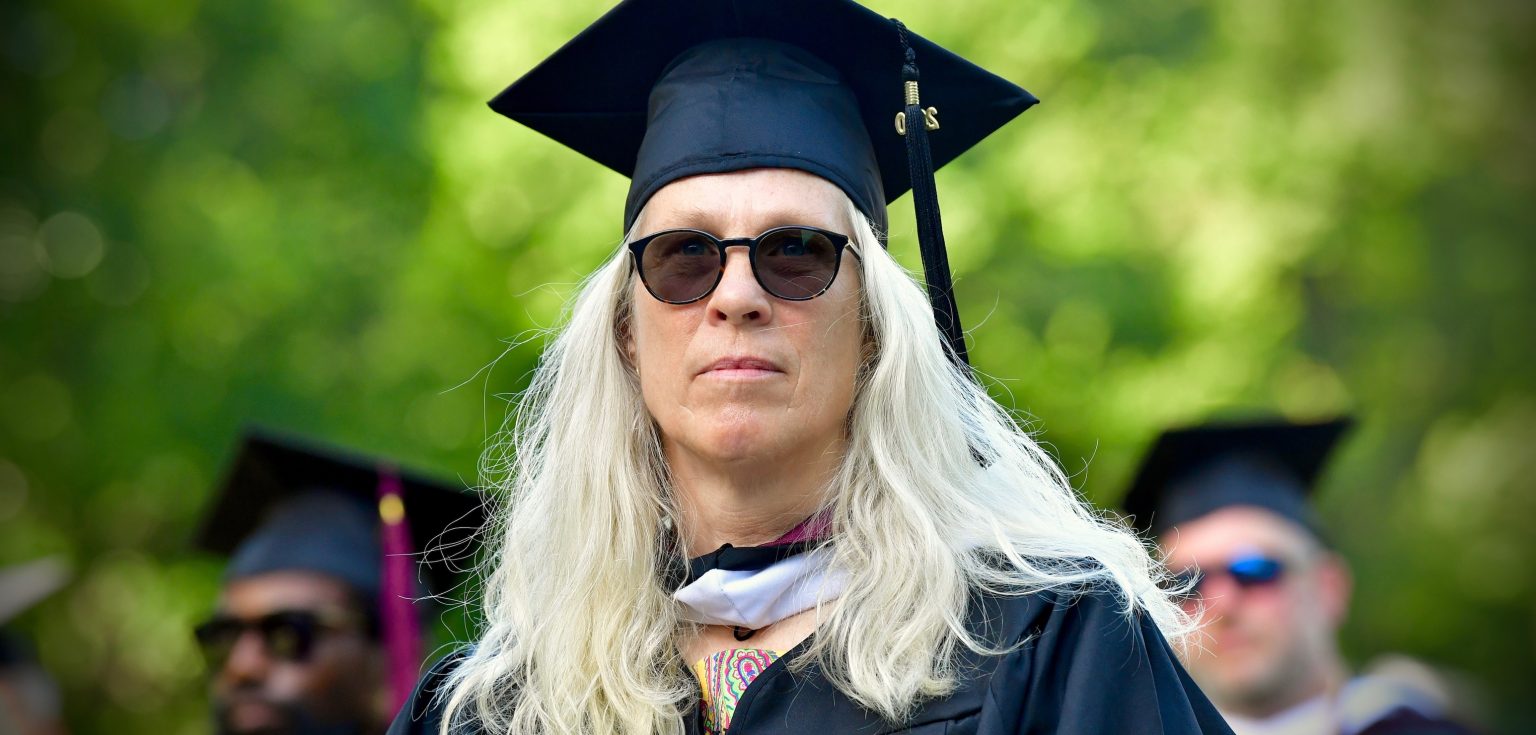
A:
x,y
13,490
136,107
21,275
70,245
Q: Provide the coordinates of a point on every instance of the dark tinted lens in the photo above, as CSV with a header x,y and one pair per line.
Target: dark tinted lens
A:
x,y
1255,570
680,266
289,636
216,638
796,264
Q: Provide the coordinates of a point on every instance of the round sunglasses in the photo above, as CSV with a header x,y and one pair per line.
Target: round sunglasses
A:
x,y
1247,571
793,263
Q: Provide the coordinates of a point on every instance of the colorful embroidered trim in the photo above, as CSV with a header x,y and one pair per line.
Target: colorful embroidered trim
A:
x,y
724,677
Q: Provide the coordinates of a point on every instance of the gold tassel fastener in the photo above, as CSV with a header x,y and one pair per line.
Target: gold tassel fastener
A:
x,y
930,115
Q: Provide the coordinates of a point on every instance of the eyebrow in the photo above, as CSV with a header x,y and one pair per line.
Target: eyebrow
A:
x,y
696,217
692,215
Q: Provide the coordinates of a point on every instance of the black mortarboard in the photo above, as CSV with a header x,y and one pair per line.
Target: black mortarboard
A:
x,y
658,90
288,502
1191,472
22,587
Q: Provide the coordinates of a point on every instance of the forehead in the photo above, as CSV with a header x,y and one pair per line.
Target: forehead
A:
x,y
260,594
744,203
1221,533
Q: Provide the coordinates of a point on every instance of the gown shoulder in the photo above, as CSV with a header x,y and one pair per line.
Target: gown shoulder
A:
x,y
422,714
1060,662
1083,662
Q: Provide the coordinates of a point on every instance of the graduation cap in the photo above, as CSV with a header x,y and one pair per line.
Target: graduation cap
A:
x,y
659,90
292,504
1272,465
22,587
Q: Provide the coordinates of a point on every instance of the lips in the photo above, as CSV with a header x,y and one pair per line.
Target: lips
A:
x,y
741,365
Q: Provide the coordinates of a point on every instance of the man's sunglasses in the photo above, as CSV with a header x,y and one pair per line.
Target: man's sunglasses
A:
x,y
1248,571
791,263
287,635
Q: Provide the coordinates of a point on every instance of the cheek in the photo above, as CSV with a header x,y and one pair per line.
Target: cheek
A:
x,y
294,682
843,355
331,681
824,389
834,350
1270,613
658,340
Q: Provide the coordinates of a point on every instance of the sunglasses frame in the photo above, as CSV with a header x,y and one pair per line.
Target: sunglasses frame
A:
x,y
1190,580
840,243
309,624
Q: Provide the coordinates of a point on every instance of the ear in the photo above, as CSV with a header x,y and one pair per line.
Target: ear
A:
x,y
1335,585
627,342
624,332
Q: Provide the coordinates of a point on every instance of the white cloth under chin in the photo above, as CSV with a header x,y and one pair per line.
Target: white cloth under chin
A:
x,y
759,598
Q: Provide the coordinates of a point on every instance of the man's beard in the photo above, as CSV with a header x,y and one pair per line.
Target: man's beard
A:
x,y
297,721
1269,691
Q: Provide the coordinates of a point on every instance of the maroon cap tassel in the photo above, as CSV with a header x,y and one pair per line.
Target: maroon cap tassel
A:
x,y
399,625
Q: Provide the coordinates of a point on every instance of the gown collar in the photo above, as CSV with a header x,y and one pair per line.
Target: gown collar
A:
x,y
752,587
806,535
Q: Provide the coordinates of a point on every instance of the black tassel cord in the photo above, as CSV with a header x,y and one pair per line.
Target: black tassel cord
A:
x,y
915,124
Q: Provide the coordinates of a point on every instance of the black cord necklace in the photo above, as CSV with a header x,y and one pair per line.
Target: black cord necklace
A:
x,y
741,633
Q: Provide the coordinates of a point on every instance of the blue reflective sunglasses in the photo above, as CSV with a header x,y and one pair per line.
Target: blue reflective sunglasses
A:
x,y
1248,571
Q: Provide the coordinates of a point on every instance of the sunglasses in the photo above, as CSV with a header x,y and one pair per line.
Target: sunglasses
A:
x,y
287,635
792,263
1248,571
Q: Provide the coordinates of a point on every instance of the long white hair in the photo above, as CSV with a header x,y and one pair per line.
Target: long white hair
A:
x,y
581,635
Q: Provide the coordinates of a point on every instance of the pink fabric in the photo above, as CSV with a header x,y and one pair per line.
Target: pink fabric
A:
x,y
399,624
816,527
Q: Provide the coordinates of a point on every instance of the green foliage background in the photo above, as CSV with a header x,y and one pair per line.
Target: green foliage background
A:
x,y
302,213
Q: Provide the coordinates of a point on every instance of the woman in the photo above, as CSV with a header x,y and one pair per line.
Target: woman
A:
x,y
751,490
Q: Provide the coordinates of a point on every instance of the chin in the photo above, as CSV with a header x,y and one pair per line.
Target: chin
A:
x,y
737,437
1248,675
734,444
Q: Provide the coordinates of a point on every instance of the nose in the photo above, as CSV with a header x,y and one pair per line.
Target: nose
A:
x,y
248,662
739,300
1220,595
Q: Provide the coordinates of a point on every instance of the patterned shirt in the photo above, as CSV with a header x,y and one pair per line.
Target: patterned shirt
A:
x,y
723,677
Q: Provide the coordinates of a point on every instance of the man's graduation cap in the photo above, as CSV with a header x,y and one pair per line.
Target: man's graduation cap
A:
x,y
1191,472
291,504
22,587
659,90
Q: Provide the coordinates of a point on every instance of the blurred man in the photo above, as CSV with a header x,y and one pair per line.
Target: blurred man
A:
x,y
1228,504
30,702
314,630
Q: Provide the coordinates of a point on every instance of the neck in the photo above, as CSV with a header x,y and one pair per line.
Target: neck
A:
x,y
1330,678
1326,681
748,503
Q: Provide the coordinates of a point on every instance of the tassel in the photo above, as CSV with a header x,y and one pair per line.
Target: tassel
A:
x,y
399,625
914,123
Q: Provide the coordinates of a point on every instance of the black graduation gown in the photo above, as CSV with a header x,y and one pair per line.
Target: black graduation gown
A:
x,y
1405,721
1084,668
